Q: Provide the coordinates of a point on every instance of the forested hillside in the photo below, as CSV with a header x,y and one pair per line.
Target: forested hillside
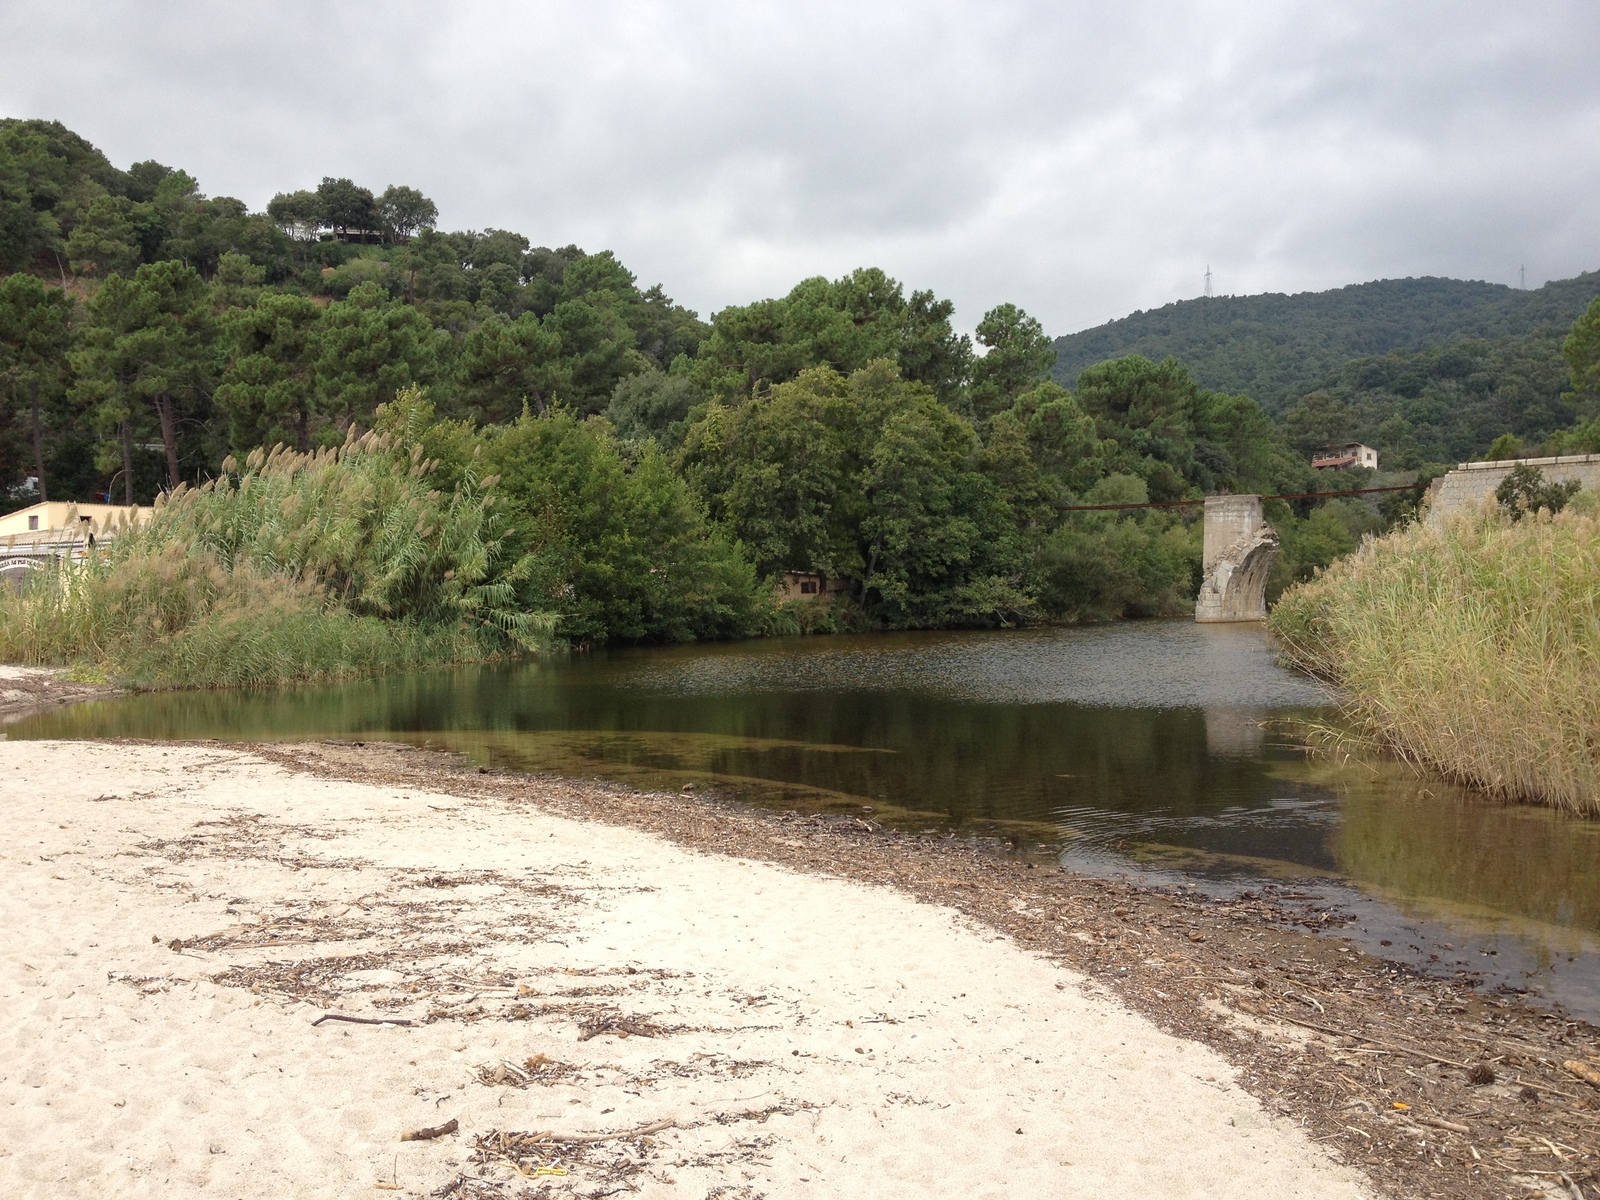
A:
x,y
1277,348
652,475
1444,404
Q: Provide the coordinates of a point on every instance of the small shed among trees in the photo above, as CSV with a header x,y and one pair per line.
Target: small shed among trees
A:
x,y
808,585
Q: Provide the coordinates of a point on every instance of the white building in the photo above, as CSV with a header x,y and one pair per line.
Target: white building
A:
x,y
1351,454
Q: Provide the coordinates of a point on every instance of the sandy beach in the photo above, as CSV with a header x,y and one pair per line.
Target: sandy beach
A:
x,y
599,1010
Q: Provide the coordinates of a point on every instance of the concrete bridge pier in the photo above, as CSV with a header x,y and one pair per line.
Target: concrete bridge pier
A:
x,y
1240,550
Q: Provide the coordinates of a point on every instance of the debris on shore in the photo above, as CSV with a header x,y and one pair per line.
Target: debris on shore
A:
x,y
1428,1085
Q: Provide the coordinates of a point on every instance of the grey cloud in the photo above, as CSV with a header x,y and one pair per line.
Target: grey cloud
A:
x,y
1080,159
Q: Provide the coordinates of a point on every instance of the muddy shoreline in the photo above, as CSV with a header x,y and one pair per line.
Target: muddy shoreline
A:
x,y
1388,1067
27,691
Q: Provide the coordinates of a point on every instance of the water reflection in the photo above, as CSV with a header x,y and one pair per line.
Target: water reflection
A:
x,y
1160,747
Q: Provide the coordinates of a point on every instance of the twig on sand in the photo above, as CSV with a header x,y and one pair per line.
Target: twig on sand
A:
x,y
618,1025
431,1132
1371,1041
621,1135
1441,1123
361,1020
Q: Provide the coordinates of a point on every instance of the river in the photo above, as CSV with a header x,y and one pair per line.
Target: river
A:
x,y
1165,750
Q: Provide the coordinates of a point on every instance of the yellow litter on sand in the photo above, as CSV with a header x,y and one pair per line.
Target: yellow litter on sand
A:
x,y
537,1171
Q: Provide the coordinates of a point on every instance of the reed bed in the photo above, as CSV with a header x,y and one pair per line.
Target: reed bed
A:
x,y
1469,649
290,567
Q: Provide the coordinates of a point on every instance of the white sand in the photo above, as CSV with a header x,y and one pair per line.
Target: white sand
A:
x,y
925,1043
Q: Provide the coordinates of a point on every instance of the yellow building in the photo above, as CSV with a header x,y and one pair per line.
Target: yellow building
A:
x,y
63,517
32,537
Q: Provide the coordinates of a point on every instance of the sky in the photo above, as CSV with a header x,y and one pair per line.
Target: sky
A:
x,y
1082,160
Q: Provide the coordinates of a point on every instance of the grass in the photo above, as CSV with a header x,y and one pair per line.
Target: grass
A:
x,y
1470,649
291,567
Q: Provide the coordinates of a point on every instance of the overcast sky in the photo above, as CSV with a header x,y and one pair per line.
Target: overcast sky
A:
x,y
1080,159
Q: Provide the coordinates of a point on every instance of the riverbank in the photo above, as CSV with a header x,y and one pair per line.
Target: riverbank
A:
x,y
1321,1035
587,1007
28,690
1468,648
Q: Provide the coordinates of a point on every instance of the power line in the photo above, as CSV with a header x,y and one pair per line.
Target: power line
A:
x,y
1404,487
1208,279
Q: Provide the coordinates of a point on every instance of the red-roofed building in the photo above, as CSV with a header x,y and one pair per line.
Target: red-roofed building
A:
x,y
1351,454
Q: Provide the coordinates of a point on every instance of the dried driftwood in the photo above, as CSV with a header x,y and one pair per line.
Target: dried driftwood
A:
x,y
431,1132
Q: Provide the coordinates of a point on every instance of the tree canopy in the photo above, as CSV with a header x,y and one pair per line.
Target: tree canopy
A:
x,y
659,475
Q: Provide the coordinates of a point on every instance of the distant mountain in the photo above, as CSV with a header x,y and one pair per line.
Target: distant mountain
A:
x,y
1276,348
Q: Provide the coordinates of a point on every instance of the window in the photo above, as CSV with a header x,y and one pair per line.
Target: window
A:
x,y
808,587
33,522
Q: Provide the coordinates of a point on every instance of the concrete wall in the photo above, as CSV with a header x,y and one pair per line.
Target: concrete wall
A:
x,y
1239,554
1229,519
1470,485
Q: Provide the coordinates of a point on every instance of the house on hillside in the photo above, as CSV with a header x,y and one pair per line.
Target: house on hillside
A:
x,y
808,585
1351,454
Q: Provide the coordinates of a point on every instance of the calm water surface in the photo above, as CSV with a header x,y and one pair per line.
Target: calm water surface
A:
x,y
1166,750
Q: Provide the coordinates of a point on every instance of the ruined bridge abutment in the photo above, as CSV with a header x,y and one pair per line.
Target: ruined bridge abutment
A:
x,y
1240,551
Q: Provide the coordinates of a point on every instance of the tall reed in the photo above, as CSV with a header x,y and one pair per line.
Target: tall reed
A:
x,y
1469,648
289,567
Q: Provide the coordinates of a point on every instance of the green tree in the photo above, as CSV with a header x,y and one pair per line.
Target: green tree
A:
x,y
25,230
369,347
268,390
664,331
1119,566
404,212
45,170
939,539
506,366
346,207
653,404
1506,446
844,324
622,554
1063,439
597,346
778,470
1397,444
103,239
237,283
1019,357
148,341
1582,352
298,214
34,336
868,478
143,179
1180,438
1525,489
1320,422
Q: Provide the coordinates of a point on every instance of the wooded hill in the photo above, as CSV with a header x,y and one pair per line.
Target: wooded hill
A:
x,y
659,474
1277,348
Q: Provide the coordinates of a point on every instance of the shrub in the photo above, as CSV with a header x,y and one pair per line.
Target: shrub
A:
x,y
1525,490
291,567
1468,648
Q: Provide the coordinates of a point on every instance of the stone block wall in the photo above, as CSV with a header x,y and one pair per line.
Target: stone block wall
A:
x,y
1470,485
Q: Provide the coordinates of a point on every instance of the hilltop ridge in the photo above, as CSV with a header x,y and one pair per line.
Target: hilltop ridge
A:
x,y
1276,347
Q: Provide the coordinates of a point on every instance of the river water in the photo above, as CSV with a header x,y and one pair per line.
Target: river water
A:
x,y
1165,750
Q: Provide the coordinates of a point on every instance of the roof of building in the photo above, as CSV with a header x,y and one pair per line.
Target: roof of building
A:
x,y
65,517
